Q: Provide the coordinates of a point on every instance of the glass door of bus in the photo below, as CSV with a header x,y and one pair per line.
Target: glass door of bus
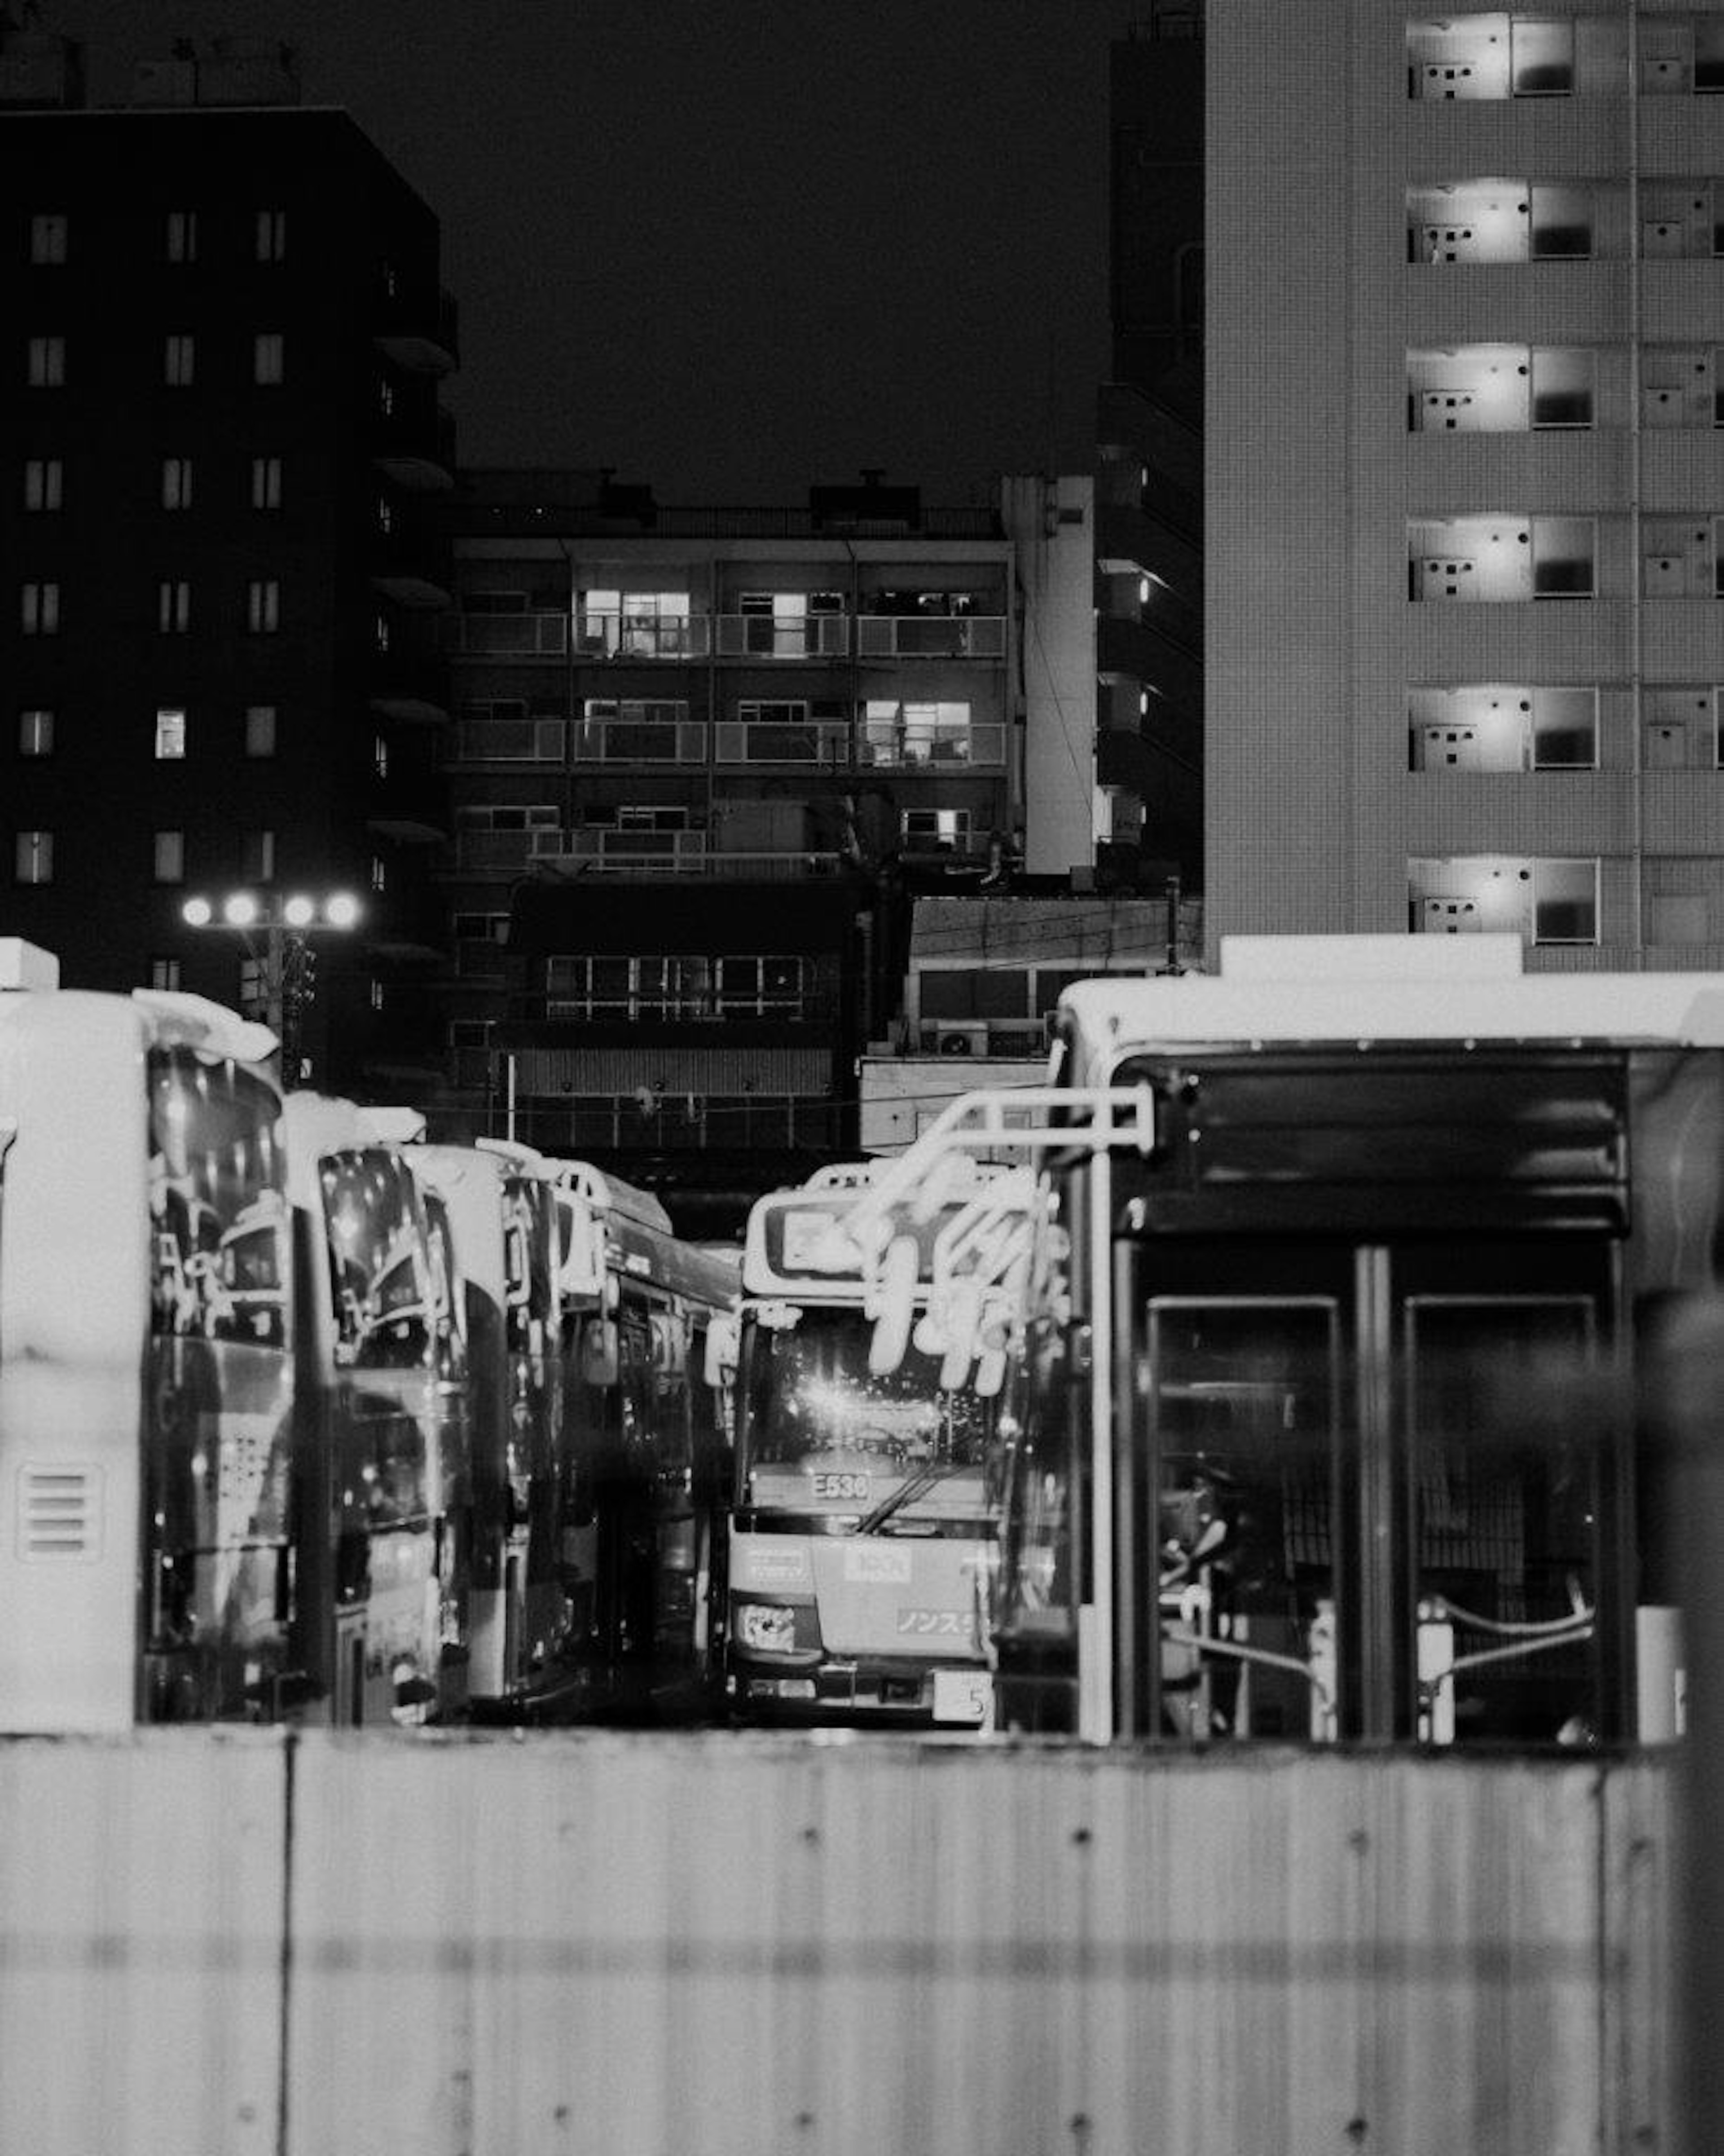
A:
x,y
1371,1491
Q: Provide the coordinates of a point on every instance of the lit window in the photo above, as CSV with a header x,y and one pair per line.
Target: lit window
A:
x,y
939,830
272,235
176,482
165,973
260,729
257,856
35,732
379,874
266,357
32,857
385,516
182,235
262,607
39,610
376,995
380,755
179,360
170,733
170,856
48,239
385,398
173,606
46,362
266,482
42,477
380,633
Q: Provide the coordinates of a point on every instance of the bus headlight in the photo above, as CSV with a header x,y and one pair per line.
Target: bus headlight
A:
x,y
768,1628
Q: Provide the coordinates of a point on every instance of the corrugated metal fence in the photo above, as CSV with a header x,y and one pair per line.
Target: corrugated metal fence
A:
x,y
713,1946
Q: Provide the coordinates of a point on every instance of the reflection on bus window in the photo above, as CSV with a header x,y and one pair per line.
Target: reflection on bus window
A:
x,y
218,1220
379,1276
809,1391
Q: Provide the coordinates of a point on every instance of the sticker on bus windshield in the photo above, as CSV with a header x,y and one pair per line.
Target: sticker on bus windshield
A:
x,y
877,1565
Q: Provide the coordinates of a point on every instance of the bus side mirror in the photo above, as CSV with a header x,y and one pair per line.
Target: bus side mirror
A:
x,y
601,1363
719,1367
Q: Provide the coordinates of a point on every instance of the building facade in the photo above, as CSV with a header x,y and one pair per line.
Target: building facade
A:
x,y
1465,477
699,757
218,584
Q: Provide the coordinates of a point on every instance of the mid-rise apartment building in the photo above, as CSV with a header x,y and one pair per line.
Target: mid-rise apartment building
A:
x,y
219,583
699,757
1465,475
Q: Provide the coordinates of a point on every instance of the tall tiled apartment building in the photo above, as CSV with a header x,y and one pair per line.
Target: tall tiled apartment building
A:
x,y
220,432
1465,475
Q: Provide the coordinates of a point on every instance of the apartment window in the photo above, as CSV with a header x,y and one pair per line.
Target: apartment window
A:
x,y
1466,221
376,995
480,927
1498,389
386,516
43,478
916,735
643,624
48,232
380,634
266,482
272,235
1549,901
165,973
35,732
760,987
39,610
170,733
379,873
179,360
260,729
173,606
263,606
380,756
1498,725
386,396
32,857
266,358
1501,558
45,363
936,831
176,482
1496,56
180,235
257,856
170,856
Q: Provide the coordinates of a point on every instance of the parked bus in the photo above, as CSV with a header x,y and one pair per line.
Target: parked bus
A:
x,y
1331,1422
383,1427
863,1536
146,1378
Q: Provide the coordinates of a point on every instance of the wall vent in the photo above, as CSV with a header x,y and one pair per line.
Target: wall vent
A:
x,y
58,1514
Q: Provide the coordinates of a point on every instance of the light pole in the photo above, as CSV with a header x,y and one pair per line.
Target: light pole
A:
x,y
277,934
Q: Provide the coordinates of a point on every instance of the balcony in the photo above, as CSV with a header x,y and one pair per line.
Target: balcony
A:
x,y
412,686
584,1124
820,744
784,636
418,457
930,636
510,741
411,569
609,850
609,637
420,334
972,748
639,740
409,803
509,635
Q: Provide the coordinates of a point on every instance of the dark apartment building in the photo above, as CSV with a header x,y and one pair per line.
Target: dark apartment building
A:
x,y
1149,537
219,583
701,757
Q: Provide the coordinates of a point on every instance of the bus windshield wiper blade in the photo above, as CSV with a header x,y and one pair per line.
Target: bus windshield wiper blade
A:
x,y
908,1491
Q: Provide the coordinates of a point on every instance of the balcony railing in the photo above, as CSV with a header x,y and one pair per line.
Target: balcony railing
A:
x,y
823,743
784,636
639,740
617,1122
930,636
510,741
617,852
510,635
672,636
977,749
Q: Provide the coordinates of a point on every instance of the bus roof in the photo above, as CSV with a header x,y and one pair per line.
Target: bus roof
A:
x,y
1310,991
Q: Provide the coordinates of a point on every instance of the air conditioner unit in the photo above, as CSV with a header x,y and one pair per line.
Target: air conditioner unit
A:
x,y
956,1037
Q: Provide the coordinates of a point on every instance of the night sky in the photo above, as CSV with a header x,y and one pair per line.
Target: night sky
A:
x,y
733,248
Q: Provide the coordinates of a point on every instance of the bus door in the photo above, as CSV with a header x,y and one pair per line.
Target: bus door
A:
x,y
1371,1491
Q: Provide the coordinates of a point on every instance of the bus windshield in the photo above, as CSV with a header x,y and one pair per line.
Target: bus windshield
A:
x,y
807,1390
378,1272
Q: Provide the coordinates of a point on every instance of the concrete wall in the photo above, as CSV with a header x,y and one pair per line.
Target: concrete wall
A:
x,y
730,1946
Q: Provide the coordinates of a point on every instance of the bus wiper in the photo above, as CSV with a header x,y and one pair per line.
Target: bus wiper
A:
x,y
908,1491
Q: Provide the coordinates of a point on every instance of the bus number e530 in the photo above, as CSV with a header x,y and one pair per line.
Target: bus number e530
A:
x,y
852,1486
